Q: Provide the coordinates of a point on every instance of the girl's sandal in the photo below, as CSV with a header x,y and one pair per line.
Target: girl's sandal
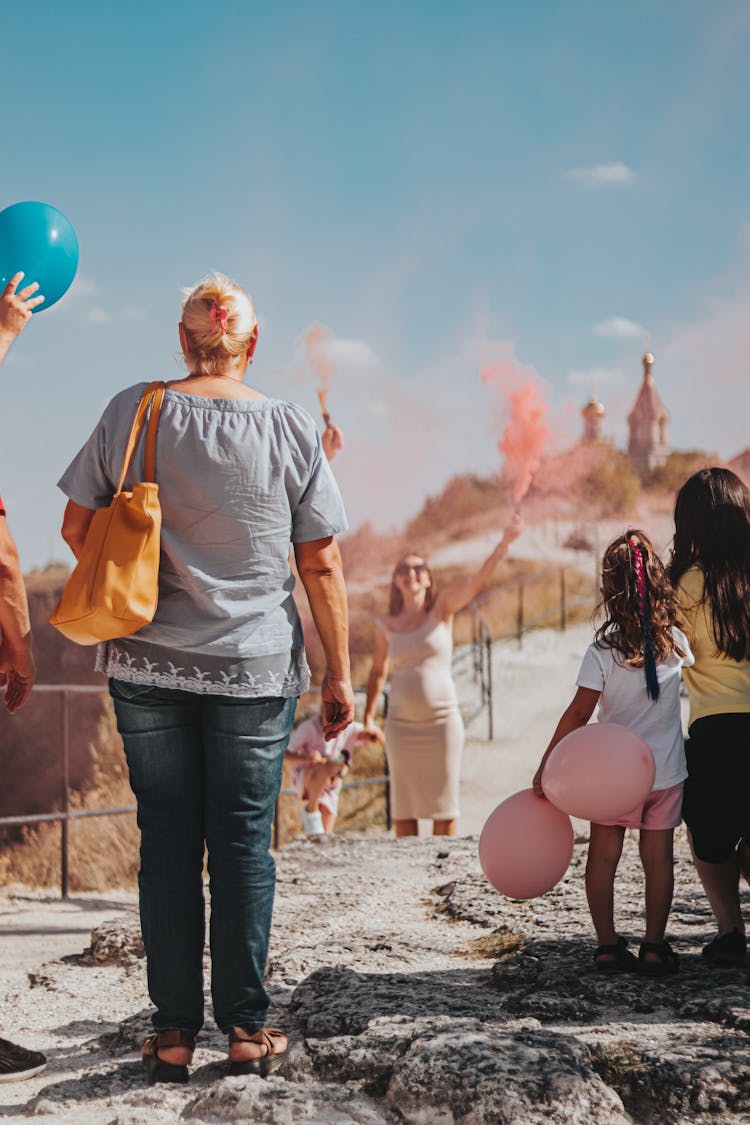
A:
x,y
668,961
268,1049
619,958
157,1069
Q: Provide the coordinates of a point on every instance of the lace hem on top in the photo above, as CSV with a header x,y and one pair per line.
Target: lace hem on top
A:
x,y
285,682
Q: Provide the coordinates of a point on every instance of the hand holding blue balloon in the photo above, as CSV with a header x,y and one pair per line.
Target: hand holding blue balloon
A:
x,y
38,242
15,310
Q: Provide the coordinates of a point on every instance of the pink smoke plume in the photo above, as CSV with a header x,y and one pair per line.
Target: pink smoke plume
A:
x,y
317,341
526,432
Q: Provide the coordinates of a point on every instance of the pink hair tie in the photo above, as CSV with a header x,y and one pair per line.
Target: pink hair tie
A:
x,y
219,312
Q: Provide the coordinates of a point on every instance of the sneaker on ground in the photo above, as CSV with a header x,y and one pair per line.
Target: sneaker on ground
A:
x,y
312,822
728,949
17,1063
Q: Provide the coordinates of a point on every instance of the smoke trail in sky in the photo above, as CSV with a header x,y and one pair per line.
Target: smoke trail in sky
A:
x,y
522,407
317,341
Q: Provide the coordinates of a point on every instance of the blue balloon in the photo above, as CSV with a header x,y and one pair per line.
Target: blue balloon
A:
x,y
38,239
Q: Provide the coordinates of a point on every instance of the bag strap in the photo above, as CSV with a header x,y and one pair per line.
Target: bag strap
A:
x,y
157,398
152,396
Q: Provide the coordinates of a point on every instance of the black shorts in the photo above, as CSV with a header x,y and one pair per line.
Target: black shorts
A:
x,y
716,803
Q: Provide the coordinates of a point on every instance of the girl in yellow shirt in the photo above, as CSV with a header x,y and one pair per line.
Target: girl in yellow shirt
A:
x,y
711,571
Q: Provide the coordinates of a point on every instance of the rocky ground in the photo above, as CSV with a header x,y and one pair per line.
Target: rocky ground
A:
x,y
412,993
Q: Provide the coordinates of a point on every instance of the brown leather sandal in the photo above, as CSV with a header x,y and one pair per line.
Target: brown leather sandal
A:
x,y
157,1069
273,1043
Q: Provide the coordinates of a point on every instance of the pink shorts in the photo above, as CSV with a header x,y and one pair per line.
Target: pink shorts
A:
x,y
662,809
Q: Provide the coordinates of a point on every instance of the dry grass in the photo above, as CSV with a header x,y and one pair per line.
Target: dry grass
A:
x,y
497,946
102,851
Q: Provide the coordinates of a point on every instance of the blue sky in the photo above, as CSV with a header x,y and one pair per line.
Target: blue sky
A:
x,y
429,180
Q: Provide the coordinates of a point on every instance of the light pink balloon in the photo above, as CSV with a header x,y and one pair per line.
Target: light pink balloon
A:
x,y
599,772
525,846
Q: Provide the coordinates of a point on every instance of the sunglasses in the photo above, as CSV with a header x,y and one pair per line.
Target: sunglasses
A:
x,y
403,569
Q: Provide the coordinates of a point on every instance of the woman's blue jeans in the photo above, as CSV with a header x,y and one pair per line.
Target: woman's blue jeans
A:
x,y
206,770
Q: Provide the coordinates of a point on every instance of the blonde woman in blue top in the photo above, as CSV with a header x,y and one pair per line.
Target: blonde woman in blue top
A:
x,y
205,695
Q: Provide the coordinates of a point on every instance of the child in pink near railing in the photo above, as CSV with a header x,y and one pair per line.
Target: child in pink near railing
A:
x,y
319,767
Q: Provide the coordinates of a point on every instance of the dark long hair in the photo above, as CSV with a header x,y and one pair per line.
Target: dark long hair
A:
x,y
712,531
396,598
639,604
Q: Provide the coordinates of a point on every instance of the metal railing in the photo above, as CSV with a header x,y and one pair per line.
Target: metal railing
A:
x,y
556,614
65,814
479,652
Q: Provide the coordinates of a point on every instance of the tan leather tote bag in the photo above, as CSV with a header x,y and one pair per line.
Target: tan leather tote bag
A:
x,y
114,588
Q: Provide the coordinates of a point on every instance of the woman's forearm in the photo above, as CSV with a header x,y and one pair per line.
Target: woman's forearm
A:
x,y
319,566
375,683
321,573
14,607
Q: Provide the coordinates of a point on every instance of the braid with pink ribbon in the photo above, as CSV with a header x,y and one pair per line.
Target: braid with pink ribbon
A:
x,y
644,614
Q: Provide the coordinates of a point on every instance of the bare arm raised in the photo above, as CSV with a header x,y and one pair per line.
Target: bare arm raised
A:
x,y
16,661
458,594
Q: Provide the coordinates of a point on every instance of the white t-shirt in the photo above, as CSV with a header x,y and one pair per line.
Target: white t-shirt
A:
x,y
624,700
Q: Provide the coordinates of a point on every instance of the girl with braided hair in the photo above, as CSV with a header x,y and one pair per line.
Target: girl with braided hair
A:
x,y
632,671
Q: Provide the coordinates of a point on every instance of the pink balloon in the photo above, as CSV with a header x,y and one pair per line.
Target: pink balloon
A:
x,y
599,772
525,846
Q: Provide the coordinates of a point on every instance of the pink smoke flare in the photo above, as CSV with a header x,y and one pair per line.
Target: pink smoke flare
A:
x,y
526,432
317,345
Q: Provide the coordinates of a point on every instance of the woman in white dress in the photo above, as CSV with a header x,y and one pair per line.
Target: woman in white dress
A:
x,y
424,733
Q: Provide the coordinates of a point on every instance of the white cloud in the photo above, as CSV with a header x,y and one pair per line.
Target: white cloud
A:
x,y
97,315
83,287
133,312
620,328
351,353
602,175
334,356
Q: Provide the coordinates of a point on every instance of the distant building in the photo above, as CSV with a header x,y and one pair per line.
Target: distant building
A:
x,y
593,420
648,444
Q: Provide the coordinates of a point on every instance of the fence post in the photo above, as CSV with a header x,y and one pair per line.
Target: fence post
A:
x,y
65,800
490,716
519,615
563,607
475,633
388,820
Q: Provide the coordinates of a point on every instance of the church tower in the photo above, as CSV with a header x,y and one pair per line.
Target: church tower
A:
x,y
648,444
593,419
